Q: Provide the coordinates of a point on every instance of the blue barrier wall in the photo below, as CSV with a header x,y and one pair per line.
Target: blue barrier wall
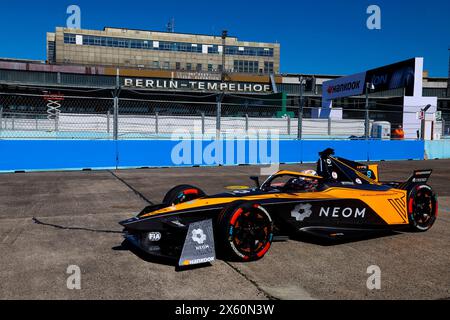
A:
x,y
23,155
20,155
437,149
396,150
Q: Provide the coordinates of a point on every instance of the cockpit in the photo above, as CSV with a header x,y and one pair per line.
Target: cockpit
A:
x,y
291,183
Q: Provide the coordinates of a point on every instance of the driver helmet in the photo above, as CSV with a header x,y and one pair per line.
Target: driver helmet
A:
x,y
304,184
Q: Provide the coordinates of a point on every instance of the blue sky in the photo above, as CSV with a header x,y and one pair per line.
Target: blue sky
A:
x,y
324,37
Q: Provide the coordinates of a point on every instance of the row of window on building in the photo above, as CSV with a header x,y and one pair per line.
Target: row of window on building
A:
x,y
241,66
165,45
245,66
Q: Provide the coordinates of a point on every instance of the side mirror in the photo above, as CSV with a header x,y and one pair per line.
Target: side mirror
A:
x,y
256,180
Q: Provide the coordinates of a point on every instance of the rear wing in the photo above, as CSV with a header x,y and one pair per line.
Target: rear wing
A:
x,y
418,177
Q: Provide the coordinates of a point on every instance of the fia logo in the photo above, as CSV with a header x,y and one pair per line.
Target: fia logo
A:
x,y
154,236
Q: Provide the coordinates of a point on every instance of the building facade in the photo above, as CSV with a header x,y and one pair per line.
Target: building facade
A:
x,y
140,49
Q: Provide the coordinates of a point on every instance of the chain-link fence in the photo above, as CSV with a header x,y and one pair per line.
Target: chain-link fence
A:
x,y
28,116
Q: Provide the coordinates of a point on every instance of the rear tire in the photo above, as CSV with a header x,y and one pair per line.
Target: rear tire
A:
x,y
245,232
422,208
182,193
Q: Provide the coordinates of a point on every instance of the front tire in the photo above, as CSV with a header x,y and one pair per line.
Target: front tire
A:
x,y
422,208
245,232
182,193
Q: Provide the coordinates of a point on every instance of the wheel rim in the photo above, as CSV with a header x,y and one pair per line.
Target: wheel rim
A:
x,y
251,232
423,208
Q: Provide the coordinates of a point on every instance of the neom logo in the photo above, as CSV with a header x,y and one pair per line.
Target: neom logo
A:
x,y
337,212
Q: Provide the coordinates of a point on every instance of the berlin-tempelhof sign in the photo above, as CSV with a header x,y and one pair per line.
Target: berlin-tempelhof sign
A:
x,y
197,85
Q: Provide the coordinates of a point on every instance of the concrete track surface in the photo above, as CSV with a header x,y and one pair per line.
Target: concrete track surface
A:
x,y
34,258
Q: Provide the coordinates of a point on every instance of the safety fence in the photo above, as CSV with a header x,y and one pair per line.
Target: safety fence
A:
x,y
81,126
50,116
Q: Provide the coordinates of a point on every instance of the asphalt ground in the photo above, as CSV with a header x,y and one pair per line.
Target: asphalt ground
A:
x,y
84,208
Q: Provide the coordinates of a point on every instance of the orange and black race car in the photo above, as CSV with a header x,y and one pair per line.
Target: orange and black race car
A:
x,y
341,198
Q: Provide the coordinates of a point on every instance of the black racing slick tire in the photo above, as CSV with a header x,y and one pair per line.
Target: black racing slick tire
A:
x,y
245,232
422,208
182,193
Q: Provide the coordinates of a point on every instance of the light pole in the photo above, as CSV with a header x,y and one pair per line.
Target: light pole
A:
x,y
369,86
224,39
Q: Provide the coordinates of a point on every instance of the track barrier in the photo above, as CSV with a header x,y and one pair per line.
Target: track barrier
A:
x,y
45,155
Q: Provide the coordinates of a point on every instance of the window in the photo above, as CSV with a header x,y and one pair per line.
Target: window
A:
x,y
188,66
97,41
51,51
249,51
156,64
183,47
246,66
199,67
166,65
210,67
220,68
69,38
268,67
214,49
136,44
177,65
167,45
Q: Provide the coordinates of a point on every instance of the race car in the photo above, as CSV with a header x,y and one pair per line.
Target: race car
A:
x,y
340,198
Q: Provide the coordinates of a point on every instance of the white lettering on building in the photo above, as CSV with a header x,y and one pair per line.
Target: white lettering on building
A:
x,y
196,85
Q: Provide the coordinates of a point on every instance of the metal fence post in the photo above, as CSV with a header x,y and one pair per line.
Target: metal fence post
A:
x,y
13,122
56,121
157,123
116,118
288,125
300,112
108,117
36,123
329,126
367,115
246,123
1,118
219,116
203,123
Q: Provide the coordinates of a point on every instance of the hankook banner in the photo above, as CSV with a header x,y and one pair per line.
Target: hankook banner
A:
x,y
343,87
394,76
